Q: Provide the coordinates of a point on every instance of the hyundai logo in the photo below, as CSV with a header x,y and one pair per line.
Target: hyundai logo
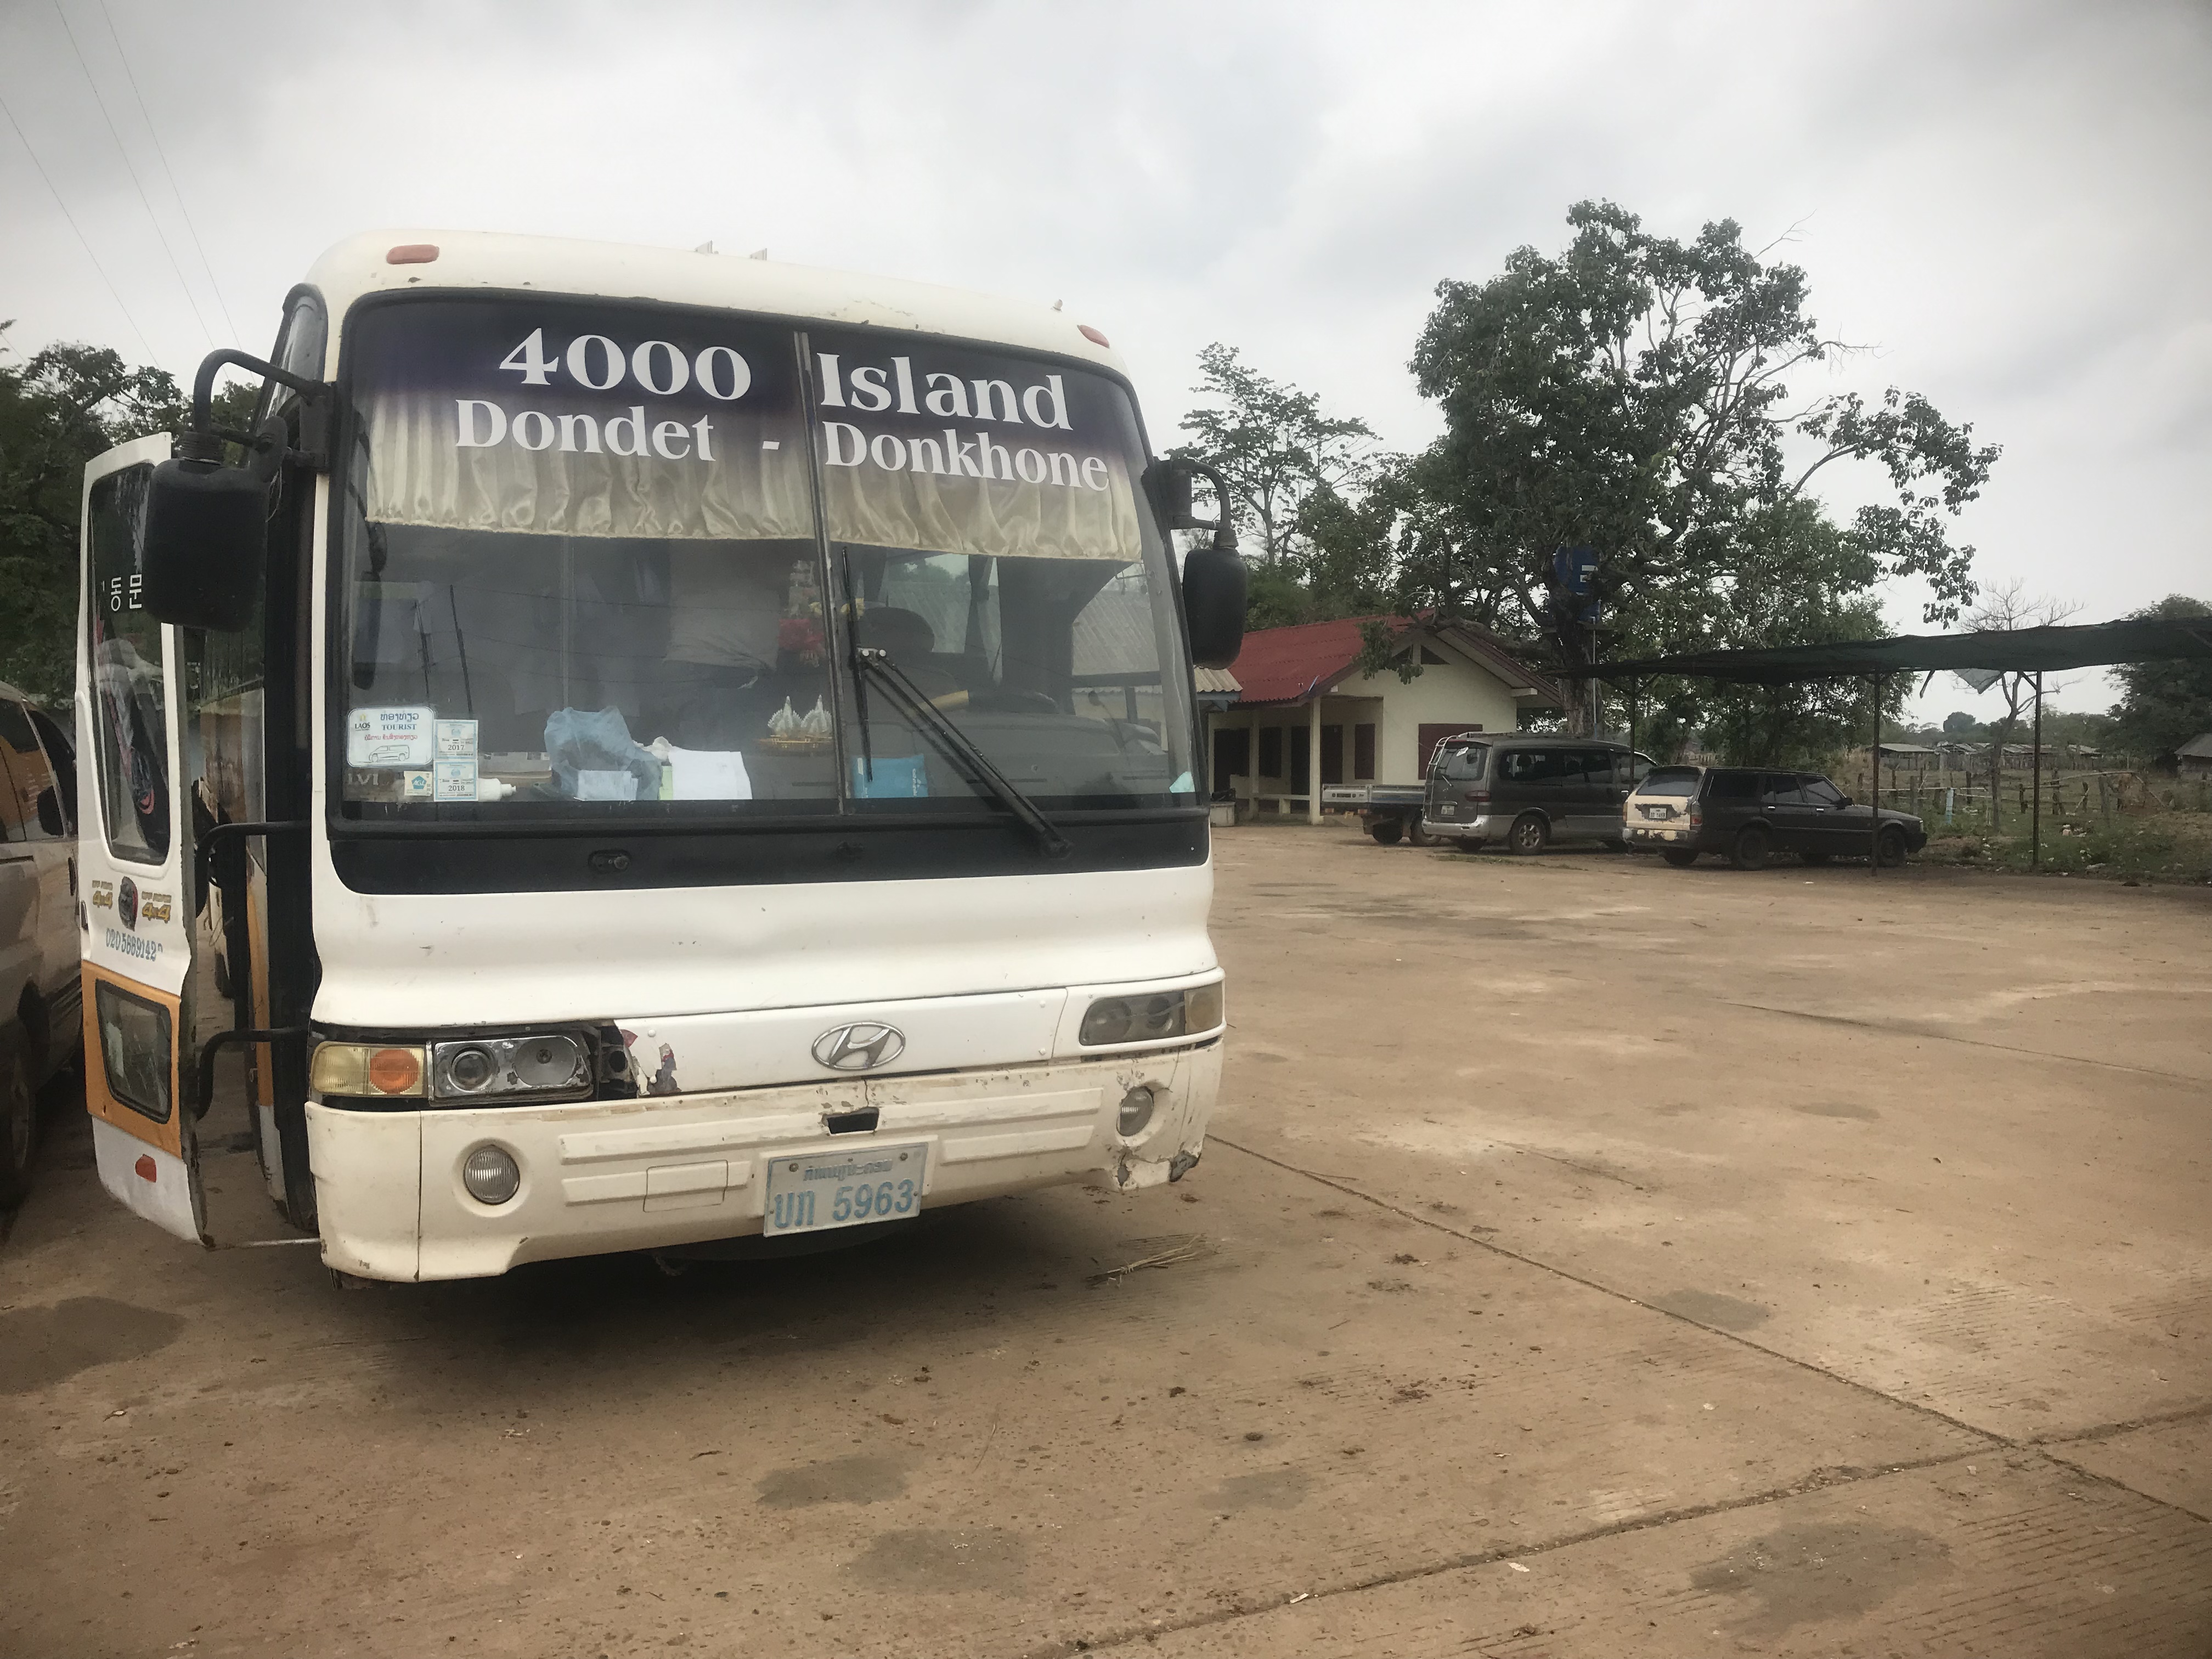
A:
x,y
861,1046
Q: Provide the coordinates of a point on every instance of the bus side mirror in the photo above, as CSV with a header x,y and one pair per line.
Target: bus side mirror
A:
x,y
206,525
207,538
1213,605
1213,577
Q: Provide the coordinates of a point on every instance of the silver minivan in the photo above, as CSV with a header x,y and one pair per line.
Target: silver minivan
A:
x,y
1528,790
41,1026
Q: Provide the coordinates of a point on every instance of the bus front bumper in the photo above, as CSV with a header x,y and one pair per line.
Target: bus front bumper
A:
x,y
600,1177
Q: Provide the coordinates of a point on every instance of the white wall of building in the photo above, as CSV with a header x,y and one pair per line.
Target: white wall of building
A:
x,y
1458,692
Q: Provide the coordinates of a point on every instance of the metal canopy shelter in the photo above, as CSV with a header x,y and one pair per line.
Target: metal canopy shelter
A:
x,y
2020,651
2023,651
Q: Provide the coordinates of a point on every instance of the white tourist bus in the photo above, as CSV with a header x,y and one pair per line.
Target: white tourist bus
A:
x,y
644,750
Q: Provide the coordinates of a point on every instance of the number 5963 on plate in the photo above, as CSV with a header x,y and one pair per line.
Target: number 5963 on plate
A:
x,y
846,1187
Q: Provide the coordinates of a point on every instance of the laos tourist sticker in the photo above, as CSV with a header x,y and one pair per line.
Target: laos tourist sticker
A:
x,y
390,736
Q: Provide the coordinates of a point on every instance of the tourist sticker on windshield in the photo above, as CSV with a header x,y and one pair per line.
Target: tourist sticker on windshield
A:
x,y
457,740
390,736
456,779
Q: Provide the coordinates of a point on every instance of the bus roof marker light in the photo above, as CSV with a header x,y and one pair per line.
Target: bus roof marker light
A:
x,y
1093,336
411,254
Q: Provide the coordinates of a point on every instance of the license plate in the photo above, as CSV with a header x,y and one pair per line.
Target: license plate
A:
x,y
846,1187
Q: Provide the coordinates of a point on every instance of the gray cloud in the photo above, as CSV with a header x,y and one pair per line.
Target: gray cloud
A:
x,y
2004,201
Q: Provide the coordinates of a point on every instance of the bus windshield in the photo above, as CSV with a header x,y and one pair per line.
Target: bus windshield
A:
x,y
597,560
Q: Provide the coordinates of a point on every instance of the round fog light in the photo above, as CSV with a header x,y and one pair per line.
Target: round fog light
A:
x,y
1136,1112
491,1175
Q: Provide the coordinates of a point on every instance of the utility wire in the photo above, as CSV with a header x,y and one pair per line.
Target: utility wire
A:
x,y
136,183
112,293
190,229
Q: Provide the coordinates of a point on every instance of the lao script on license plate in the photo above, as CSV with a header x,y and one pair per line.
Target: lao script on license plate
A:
x,y
844,1188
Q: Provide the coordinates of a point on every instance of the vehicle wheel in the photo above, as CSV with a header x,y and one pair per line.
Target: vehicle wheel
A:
x,y
1889,848
1681,857
19,1115
1386,831
1616,843
1467,844
1812,858
1752,843
1530,834
1419,836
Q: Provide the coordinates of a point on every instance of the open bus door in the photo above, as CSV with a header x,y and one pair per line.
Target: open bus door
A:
x,y
173,726
135,852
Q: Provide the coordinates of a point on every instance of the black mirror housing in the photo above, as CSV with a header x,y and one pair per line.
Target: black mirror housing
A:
x,y
1213,580
207,538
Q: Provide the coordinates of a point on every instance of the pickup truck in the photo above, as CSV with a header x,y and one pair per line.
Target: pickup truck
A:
x,y
1391,811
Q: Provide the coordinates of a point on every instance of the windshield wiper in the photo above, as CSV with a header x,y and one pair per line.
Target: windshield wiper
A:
x,y
972,764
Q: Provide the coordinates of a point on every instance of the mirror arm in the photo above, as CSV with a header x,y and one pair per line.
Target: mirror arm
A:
x,y
1167,481
1225,533
203,441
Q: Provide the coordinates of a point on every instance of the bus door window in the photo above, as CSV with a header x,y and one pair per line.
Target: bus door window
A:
x,y
130,695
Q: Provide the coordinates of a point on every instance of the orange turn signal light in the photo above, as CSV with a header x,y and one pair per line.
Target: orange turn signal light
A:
x,y
1093,335
395,1071
412,253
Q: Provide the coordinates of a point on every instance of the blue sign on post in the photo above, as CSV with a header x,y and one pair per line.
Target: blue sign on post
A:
x,y
1575,570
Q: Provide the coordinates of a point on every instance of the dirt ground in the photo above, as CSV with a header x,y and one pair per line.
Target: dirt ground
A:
x,y
1593,1259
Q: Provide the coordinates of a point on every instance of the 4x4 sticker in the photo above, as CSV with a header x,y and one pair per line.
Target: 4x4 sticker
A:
x,y
103,895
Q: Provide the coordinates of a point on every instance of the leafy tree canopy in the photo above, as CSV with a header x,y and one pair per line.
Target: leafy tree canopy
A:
x,y
2163,704
59,408
1632,395
1284,459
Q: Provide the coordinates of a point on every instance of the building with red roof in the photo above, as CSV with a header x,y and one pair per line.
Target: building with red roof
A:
x,y
1306,716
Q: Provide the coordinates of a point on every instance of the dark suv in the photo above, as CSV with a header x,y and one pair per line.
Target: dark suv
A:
x,y
1749,812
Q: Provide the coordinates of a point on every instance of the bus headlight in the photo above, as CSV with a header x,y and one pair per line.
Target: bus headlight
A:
x,y
1152,1017
483,1068
366,1069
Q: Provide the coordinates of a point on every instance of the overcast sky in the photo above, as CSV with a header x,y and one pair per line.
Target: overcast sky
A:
x,y
2006,203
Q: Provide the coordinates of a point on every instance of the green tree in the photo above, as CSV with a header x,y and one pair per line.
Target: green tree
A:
x,y
1280,455
2162,704
1630,395
58,410
62,407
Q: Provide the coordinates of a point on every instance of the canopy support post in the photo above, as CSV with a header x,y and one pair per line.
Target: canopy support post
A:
x,y
1874,779
1635,696
2035,782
